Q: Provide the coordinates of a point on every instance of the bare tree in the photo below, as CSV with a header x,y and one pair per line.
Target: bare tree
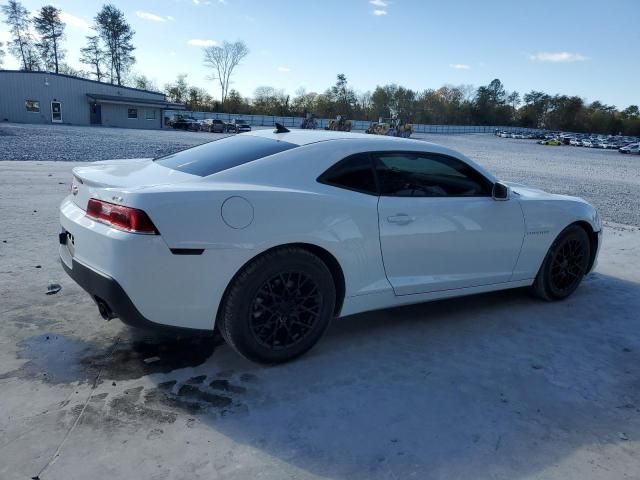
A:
x,y
144,83
117,36
22,45
2,54
94,56
69,70
223,60
178,90
51,29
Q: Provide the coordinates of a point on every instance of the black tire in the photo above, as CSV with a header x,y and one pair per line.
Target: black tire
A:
x,y
278,306
565,265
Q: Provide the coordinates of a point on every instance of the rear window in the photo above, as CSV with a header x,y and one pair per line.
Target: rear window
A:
x,y
219,155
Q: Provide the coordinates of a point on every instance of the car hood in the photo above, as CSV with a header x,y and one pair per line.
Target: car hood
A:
x,y
530,193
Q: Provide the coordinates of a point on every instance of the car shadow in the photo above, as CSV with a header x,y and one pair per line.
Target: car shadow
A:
x,y
493,385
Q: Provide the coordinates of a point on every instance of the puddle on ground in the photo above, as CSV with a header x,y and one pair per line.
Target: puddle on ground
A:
x,y
163,355
63,359
53,358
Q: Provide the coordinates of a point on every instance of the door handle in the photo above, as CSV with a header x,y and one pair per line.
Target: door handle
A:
x,y
401,219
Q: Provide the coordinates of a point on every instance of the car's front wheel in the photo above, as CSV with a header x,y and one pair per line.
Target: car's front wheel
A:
x,y
565,265
278,306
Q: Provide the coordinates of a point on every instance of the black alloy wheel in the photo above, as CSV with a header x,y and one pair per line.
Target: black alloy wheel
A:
x,y
568,265
285,309
278,306
565,265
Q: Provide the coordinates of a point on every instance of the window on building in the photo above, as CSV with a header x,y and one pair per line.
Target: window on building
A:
x,y
132,113
32,105
151,114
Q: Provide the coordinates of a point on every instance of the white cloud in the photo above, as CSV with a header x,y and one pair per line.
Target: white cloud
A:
x,y
378,3
379,13
170,18
150,16
74,21
199,42
557,57
196,2
284,69
460,66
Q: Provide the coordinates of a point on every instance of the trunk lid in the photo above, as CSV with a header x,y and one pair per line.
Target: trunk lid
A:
x,y
106,179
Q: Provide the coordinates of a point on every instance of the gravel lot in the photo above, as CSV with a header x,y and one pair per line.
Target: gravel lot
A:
x,y
88,144
498,386
607,179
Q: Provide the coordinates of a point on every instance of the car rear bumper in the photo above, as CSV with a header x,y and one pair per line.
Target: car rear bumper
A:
x,y
140,278
111,298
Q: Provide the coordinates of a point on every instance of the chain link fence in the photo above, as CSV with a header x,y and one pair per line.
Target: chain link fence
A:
x,y
357,125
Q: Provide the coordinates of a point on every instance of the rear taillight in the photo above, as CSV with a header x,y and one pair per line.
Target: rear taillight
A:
x,y
121,217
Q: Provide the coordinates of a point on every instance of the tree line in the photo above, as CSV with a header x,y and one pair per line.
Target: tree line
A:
x,y
108,56
37,42
489,104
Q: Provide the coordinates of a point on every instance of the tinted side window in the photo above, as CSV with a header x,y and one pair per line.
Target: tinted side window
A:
x,y
219,155
417,174
353,173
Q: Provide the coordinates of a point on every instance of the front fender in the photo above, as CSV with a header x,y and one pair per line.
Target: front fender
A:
x,y
544,220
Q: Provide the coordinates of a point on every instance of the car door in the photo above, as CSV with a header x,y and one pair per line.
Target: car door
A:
x,y
440,227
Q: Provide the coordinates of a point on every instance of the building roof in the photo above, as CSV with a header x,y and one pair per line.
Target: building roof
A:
x,y
53,74
136,101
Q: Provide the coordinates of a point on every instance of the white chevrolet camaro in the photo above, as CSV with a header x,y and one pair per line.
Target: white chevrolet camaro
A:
x,y
268,235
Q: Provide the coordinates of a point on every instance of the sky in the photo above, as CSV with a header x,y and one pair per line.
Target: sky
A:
x,y
583,48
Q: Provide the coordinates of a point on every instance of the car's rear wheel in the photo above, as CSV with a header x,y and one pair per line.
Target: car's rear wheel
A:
x,y
565,265
278,306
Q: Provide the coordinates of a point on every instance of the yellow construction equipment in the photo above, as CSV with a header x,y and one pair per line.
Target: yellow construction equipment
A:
x,y
309,122
392,127
339,124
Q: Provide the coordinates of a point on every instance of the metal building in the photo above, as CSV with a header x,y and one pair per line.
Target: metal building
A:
x,y
43,97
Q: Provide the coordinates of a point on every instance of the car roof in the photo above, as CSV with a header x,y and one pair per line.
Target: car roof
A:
x,y
305,137
367,142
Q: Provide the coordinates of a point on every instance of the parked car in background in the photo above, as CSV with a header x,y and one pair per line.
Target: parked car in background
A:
x,y
186,123
239,126
214,125
632,148
589,140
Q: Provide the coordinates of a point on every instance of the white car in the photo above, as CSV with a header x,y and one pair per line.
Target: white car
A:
x,y
631,148
269,235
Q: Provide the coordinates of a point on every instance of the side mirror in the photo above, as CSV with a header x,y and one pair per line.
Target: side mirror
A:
x,y
500,192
